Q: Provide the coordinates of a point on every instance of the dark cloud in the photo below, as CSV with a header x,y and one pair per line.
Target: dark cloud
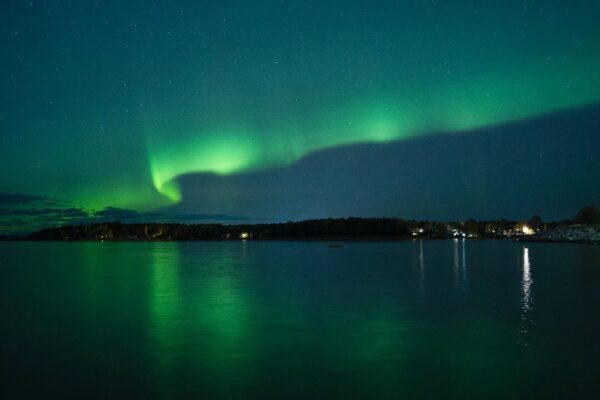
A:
x,y
74,213
8,198
127,215
12,199
51,202
204,217
12,222
115,213
56,213
438,177
24,212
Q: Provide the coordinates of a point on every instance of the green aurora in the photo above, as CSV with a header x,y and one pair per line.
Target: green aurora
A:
x,y
452,107
110,106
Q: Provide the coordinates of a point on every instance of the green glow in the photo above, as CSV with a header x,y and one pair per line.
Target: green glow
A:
x,y
165,313
221,154
217,96
454,106
214,304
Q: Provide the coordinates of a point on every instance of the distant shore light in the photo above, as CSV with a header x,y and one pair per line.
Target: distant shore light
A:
x,y
527,230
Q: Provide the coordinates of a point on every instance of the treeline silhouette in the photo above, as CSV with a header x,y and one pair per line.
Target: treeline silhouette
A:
x,y
393,228
347,227
317,228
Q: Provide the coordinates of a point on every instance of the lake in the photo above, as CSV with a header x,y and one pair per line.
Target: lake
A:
x,y
445,319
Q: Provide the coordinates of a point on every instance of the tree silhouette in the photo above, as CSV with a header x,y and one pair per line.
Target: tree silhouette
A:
x,y
535,222
588,215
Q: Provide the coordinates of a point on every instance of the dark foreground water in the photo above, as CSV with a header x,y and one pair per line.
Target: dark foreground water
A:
x,y
417,319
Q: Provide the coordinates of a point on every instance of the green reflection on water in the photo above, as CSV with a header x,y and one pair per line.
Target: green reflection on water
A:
x,y
200,325
300,320
165,310
217,328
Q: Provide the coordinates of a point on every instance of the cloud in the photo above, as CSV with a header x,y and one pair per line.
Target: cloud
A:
x,y
115,213
126,215
26,212
204,217
13,222
20,212
8,198
55,213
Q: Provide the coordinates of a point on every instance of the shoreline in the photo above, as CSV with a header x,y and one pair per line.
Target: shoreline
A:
x,y
334,230
307,239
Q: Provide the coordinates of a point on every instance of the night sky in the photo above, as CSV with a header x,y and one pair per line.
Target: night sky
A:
x,y
263,111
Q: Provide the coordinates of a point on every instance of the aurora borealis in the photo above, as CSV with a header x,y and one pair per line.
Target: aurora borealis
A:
x,y
244,109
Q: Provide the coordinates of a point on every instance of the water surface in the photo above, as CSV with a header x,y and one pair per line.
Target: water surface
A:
x,y
291,319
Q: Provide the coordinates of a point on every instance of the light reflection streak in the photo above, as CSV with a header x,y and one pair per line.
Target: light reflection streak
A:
x,y
421,268
456,261
526,296
464,262
460,264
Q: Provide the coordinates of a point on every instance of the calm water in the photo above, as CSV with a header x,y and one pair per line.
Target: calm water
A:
x,y
426,319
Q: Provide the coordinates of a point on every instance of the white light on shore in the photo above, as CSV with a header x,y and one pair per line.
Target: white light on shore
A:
x,y
527,230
